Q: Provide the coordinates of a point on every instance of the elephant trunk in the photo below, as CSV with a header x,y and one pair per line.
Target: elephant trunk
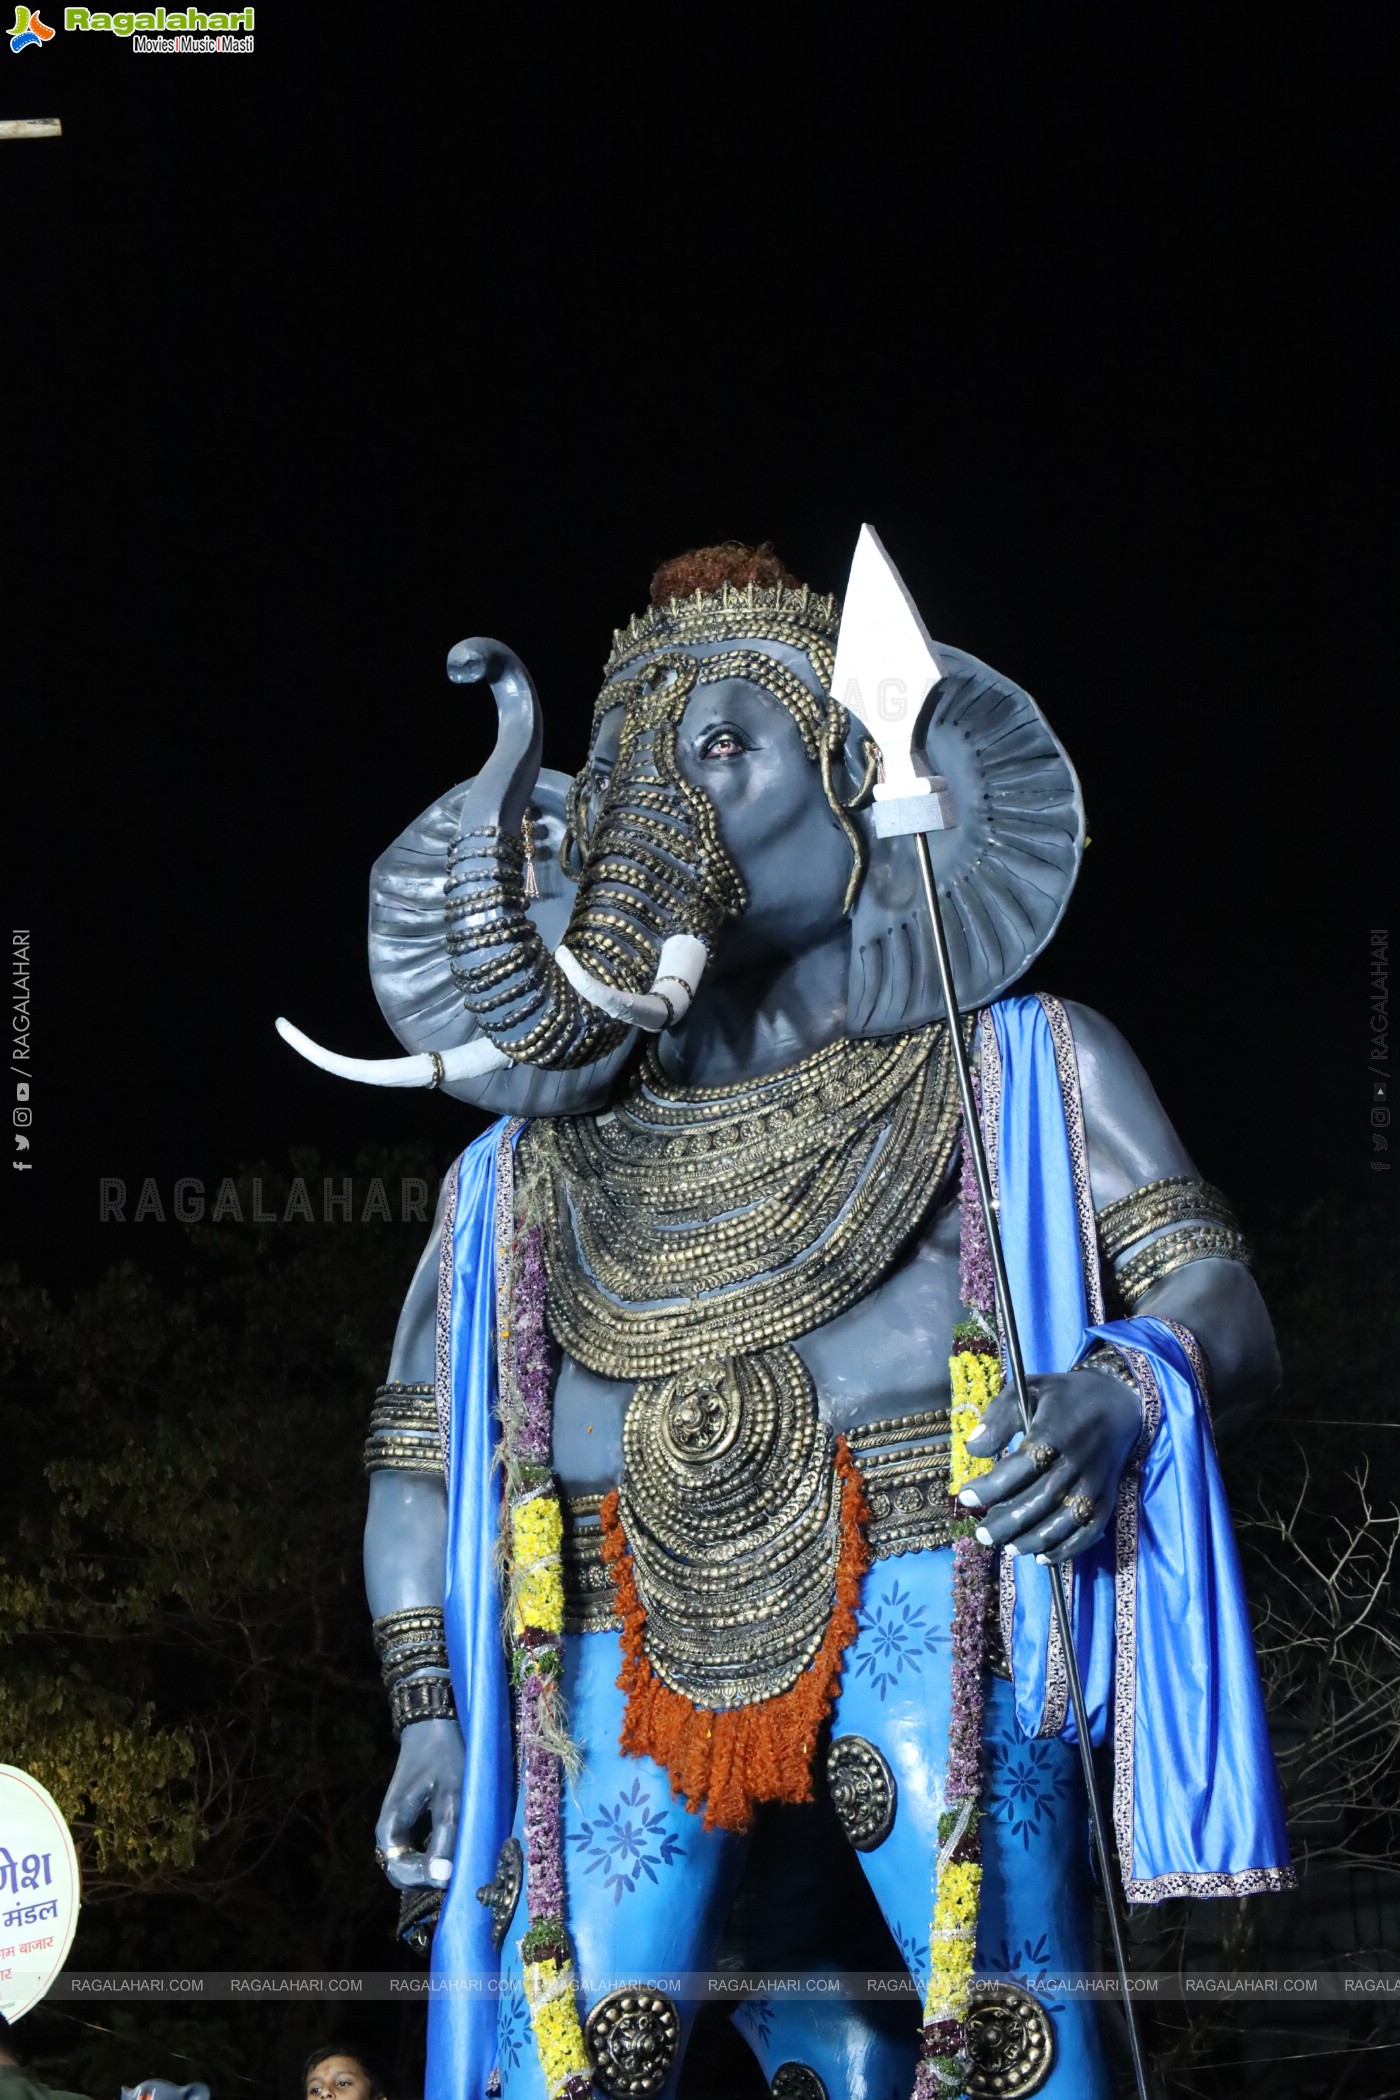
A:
x,y
512,988
620,966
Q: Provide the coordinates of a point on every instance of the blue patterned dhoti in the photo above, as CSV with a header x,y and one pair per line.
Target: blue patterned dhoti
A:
x,y
649,1889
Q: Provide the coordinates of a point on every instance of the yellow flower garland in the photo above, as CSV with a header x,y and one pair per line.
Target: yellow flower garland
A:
x,y
536,1535
549,1993
953,1941
975,1380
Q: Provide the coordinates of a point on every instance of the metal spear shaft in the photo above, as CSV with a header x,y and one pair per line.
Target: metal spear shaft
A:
x,y
972,1138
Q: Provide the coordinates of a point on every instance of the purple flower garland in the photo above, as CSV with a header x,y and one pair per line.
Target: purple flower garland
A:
x,y
535,1623
945,2066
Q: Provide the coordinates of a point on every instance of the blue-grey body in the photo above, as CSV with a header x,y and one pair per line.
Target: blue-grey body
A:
x,y
799,967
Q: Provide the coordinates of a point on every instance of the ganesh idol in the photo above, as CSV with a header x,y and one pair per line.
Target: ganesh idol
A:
x,y
709,1556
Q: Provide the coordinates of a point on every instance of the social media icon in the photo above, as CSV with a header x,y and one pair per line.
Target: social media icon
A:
x,y
21,1143
22,1090
24,1115
1379,1090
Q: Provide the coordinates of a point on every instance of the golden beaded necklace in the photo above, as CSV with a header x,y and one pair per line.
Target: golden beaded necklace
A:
x,y
687,1224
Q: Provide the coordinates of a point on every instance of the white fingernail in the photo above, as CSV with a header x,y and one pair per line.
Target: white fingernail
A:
x,y
970,1495
1014,1551
439,1870
983,1536
1042,1560
977,1436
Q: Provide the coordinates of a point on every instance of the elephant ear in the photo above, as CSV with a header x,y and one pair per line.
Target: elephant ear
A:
x,y
411,970
1004,870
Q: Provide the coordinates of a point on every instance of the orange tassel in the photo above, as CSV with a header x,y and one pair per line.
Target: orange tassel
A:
x,y
726,1763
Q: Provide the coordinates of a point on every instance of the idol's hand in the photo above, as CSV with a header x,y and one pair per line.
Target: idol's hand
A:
x,y
427,1779
1054,1496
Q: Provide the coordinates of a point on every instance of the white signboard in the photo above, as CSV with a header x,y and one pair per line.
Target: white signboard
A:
x,y
38,1891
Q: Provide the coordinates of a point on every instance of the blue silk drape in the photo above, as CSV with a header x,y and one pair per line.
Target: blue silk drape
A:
x,y
1161,1626
465,1966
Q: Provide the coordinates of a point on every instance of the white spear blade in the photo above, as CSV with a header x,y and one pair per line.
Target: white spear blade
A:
x,y
885,670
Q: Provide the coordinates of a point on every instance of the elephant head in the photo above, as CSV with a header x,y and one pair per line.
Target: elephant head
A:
x,y
526,927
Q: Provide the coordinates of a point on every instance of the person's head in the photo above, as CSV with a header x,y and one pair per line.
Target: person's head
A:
x,y
8,2060
335,2073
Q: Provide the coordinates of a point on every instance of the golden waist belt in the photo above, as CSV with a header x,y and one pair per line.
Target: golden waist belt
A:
x,y
903,1463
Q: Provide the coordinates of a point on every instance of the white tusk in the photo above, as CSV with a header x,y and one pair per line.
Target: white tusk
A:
x,y
679,969
681,966
467,1061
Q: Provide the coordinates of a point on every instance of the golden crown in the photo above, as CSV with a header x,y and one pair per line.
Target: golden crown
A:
x,y
789,613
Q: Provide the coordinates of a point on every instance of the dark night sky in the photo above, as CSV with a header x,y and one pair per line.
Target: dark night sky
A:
x,y
320,359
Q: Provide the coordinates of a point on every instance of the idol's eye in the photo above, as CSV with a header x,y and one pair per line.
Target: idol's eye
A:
x,y
724,741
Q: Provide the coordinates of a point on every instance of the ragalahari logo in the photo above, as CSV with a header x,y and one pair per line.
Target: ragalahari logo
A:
x,y
28,30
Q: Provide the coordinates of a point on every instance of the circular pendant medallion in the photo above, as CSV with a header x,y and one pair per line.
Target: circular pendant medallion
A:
x,y
862,1789
731,1505
700,1416
1010,2040
632,2038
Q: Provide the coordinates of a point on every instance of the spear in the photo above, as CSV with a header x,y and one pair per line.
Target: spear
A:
x,y
885,654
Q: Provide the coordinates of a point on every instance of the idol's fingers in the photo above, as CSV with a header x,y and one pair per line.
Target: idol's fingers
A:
x,y
1001,1418
428,1776
1021,1514
1068,1530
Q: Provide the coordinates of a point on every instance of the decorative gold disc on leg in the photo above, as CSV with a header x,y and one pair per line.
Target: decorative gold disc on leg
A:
x,y
863,1790
1011,2041
632,2038
795,2081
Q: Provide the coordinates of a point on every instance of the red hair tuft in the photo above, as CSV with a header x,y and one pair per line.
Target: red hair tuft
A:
x,y
708,568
